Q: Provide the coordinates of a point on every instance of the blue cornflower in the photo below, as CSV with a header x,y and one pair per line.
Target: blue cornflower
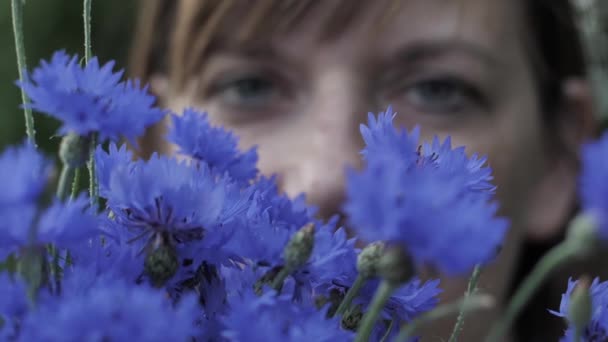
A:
x,y
24,172
333,259
65,225
434,205
215,146
91,98
163,200
381,138
276,318
593,188
270,220
597,329
13,305
111,311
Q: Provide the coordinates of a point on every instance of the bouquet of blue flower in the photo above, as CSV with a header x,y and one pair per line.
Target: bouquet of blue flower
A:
x,y
201,247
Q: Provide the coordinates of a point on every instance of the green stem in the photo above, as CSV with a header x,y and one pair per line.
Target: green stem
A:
x,y
351,294
88,51
382,294
76,183
93,186
64,181
17,12
465,304
470,290
277,283
547,263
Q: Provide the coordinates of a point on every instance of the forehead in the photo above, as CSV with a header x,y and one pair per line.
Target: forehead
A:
x,y
380,25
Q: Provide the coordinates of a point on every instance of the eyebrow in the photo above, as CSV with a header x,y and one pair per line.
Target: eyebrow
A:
x,y
422,50
259,49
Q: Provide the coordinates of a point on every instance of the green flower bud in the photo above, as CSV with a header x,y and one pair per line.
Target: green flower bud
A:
x,y
299,248
161,262
395,266
582,231
368,259
580,306
74,150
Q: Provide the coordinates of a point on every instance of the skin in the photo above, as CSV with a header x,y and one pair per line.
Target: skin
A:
x,y
457,68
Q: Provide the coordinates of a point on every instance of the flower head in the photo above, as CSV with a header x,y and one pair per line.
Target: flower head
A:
x,y
111,311
276,318
597,329
432,201
90,99
24,173
215,146
593,188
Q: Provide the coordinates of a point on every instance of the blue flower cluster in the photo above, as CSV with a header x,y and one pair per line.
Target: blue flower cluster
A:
x,y
204,247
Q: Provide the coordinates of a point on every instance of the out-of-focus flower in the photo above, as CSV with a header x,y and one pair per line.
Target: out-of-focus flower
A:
x,y
111,311
90,98
276,318
597,329
215,146
593,187
434,203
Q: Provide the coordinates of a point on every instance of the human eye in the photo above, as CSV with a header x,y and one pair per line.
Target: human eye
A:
x,y
439,95
248,91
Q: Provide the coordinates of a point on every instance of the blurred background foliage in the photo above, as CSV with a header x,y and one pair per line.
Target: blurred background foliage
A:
x,y
57,24
50,25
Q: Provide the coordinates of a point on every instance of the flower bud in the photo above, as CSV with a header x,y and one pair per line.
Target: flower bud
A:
x,y
580,306
395,265
74,150
161,262
299,248
583,231
368,259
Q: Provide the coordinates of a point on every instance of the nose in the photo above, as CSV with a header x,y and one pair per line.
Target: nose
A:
x,y
331,123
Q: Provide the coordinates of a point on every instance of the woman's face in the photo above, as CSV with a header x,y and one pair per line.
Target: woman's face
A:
x,y
455,68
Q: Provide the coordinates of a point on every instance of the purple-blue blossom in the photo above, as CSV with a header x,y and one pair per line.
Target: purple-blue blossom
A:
x,y
432,200
277,318
111,311
91,98
597,329
593,188
218,148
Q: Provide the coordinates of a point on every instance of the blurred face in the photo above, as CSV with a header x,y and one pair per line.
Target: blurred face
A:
x,y
455,68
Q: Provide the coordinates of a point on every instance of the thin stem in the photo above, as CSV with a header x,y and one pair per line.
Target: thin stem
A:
x,y
64,181
17,12
351,294
93,186
382,294
76,182
88,51
547,263
472,303
470,290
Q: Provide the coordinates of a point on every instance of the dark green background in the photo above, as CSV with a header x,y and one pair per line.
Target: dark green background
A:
x,y
50,25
